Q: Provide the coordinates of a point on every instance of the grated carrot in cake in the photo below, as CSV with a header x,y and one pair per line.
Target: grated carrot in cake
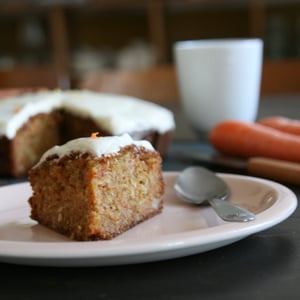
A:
x,y
97,187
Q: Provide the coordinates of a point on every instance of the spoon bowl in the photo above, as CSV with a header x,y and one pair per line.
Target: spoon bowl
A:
x,y
198,185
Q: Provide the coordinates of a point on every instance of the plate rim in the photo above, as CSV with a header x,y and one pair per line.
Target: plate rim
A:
x,y
88,252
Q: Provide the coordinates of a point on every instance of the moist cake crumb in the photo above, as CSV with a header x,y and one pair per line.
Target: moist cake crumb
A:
x,y
98,192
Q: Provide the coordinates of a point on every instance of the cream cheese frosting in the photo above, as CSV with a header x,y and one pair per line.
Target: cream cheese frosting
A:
x,y
116,113
97,146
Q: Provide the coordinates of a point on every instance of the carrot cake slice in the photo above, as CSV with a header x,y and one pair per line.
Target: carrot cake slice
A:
x,y
96,188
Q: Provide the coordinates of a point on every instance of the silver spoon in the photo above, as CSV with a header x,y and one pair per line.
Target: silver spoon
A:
x,y
198,185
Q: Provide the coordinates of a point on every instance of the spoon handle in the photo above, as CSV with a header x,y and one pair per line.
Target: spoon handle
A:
x,y
230,212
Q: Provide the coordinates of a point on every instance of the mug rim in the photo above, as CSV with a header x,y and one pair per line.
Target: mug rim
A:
x,y
216,42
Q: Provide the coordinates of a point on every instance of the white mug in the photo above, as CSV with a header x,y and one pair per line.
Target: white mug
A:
x,y
219,79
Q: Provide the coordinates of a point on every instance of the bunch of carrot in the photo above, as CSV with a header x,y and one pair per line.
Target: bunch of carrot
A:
x,y
274,137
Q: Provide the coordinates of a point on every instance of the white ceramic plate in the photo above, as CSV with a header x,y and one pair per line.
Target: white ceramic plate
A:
x,y
180,230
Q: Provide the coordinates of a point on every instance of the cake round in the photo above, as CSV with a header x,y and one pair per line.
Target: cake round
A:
x,y
32,123
98,187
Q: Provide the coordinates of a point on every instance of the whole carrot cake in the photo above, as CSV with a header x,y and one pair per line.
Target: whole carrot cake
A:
x,y
33,122
98,187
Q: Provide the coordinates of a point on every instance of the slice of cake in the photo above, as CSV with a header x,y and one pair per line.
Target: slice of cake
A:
x,y
98,187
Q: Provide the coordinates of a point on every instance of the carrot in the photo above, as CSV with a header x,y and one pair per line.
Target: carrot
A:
x,y
282,123
94,135
243,139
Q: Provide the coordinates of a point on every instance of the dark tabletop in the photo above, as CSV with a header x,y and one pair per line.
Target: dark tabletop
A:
x,y
265,265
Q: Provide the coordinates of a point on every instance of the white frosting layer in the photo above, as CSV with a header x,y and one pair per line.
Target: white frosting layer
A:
x,y
115,113
98,146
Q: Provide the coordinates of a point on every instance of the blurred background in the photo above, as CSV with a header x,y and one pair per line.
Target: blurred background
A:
x,y
125,46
